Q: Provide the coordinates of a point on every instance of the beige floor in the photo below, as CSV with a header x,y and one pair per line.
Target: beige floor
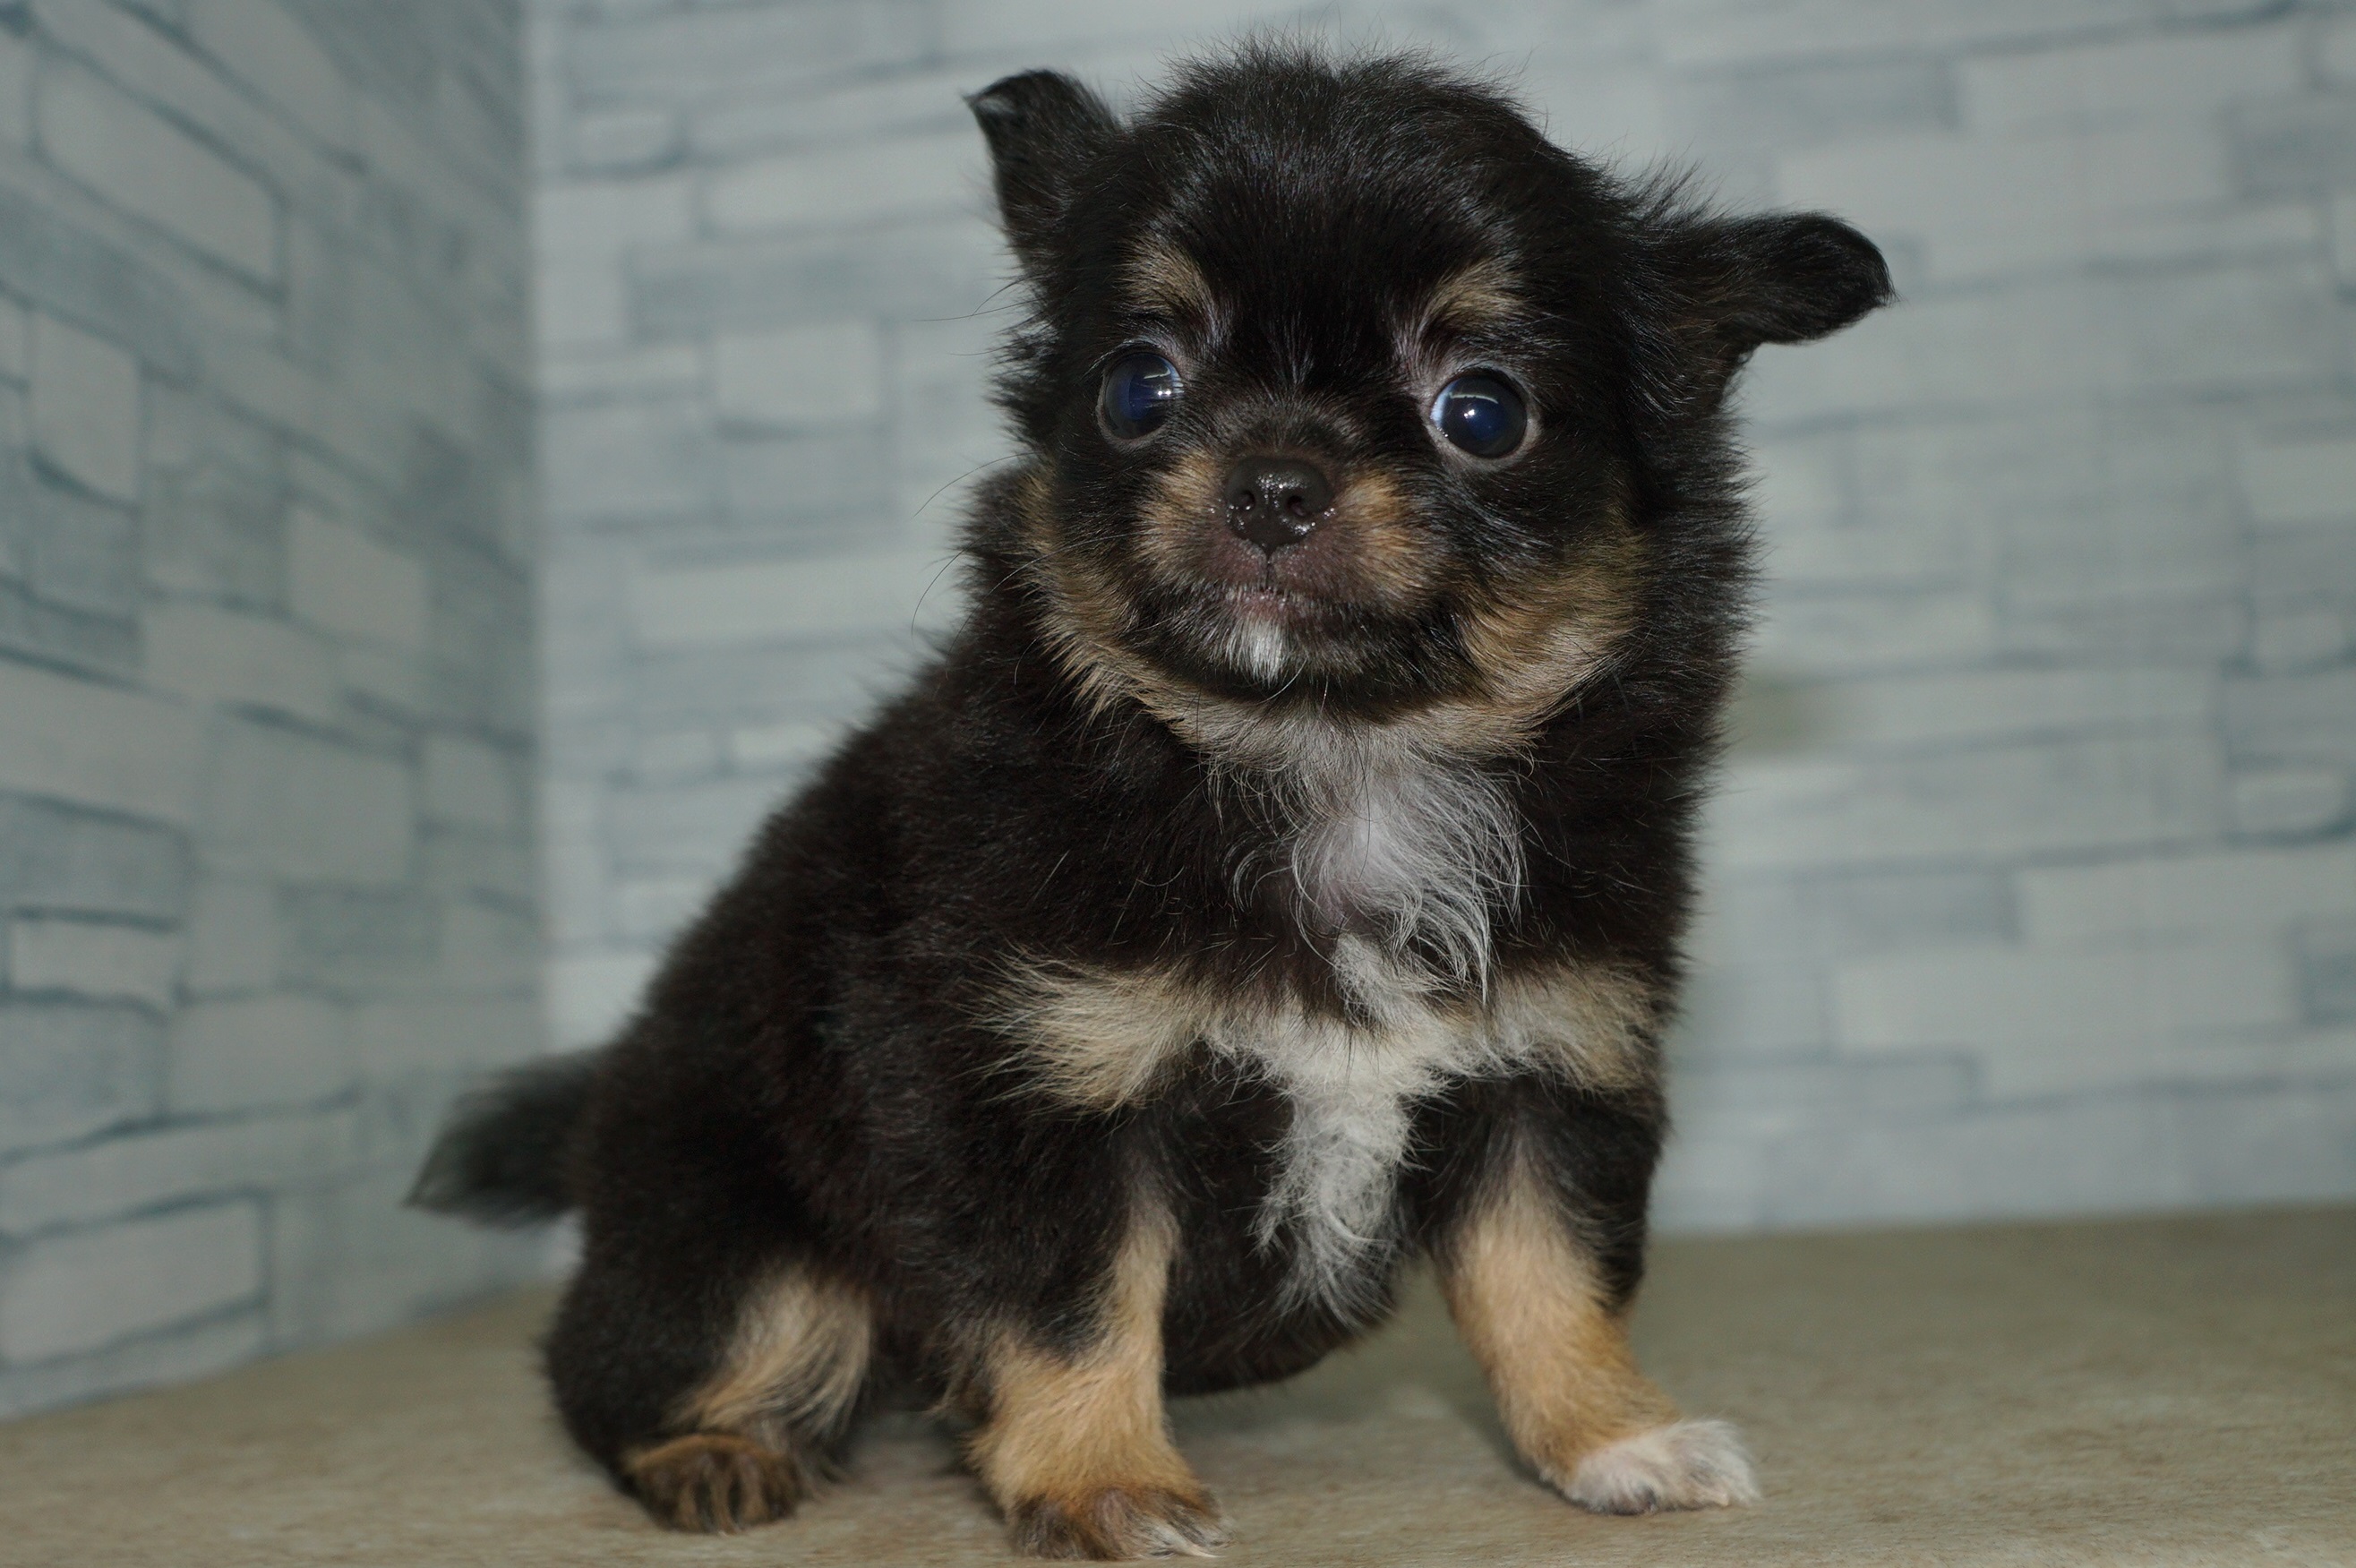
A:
x,y
2161,1391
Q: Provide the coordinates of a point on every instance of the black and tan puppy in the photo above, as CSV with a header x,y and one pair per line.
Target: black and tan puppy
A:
x,y
1276,879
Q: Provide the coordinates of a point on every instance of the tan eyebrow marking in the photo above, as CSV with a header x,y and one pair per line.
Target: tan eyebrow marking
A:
x,y
1164,279
1472,298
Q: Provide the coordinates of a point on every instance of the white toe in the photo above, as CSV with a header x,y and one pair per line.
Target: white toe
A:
x,y
1685,1465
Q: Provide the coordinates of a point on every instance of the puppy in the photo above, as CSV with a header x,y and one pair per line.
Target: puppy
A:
x,y
1276,879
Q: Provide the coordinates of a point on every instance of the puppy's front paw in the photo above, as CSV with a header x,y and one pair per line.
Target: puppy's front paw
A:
x,y
1685,1465
714,1483
1112,1523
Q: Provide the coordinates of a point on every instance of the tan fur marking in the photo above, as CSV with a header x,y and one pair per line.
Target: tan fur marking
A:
x,y
1591,1023
1179,513
1482,294
1099,1039
1531,1309
1537,651
1395,555
1085,612
1078,1450
1102,1038
1164,279
796,1365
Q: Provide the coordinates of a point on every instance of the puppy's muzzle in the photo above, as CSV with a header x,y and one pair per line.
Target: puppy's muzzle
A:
x,y
1275,502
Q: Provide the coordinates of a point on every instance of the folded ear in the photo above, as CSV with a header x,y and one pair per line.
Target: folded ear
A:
x,y
1042,126
1730,285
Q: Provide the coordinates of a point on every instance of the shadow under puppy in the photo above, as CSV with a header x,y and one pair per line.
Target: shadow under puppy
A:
x,y
1278,877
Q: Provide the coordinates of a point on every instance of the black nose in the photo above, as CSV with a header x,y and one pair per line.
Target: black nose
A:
x,y
1275,502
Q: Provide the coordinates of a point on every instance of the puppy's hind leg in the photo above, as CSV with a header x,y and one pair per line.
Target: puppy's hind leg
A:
x,y
772,1377
758,1427
1530,1304
1075,1444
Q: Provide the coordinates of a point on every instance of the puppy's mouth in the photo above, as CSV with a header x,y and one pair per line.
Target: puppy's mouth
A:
x,y
1271,633
1284,553
1304,613
1285,609
1304,584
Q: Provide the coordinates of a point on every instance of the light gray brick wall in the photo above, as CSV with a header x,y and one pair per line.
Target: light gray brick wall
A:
x,y
267,722
2030,882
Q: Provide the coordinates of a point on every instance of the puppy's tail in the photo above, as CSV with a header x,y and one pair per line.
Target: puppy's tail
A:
x,y
504,1156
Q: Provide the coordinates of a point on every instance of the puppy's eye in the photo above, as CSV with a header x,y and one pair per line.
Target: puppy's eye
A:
x,y
1138,393
1482,414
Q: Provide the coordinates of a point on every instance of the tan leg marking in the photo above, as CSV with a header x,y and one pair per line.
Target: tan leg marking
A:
x,y
1078,1450
753,1428
1529,1305
796,1365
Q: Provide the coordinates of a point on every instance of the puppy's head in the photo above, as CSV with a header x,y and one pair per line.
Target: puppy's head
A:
x,y
1348,393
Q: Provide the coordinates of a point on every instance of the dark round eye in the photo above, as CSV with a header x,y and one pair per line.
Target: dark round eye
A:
x,y
1482,414
1138,393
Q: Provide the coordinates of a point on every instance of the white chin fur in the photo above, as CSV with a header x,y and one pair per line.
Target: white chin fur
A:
x,y
1685,1465
1258,648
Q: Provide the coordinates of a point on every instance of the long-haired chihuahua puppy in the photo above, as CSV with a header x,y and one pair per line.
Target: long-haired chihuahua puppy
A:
x,y
1278,877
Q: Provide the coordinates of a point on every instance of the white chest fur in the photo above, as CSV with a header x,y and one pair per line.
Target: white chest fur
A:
x,y
1410,854
1105,1038
1351,1089
1410,851
1415,851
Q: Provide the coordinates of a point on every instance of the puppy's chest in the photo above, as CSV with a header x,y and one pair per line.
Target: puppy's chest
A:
x,y
1350,1092
1113,1039
1414,856
1316,1057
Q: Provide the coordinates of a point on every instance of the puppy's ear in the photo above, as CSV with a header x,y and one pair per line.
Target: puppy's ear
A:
x,y
1040,126
1730,285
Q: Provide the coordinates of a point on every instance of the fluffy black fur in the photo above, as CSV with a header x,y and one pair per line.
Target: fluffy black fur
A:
x,y
824,1072
503,1157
